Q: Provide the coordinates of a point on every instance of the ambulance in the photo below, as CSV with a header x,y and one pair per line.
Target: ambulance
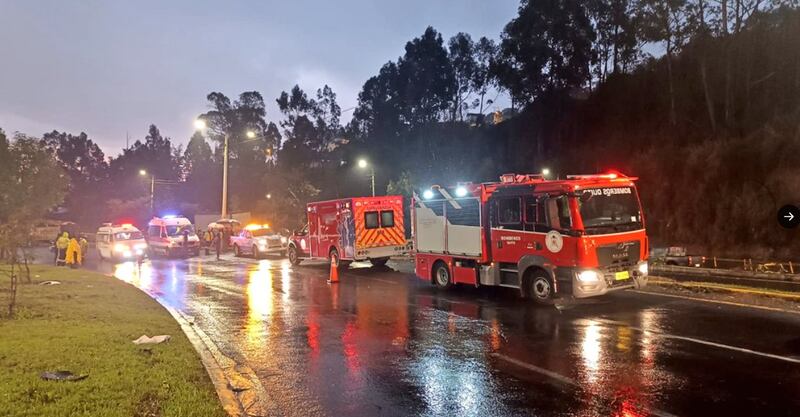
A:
x,y
172,236
351,229
120,242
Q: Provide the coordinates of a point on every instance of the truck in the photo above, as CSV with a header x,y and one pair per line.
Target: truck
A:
x,y
351,229
257,240
581,236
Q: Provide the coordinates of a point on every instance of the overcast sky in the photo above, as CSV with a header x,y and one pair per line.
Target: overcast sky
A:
x,y
111,67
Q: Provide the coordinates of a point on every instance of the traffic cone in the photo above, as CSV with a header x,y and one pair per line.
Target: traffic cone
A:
x,y
333,278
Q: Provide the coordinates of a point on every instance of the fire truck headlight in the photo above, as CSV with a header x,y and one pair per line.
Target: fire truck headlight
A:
x,y
643,268
461,192
588,276
427,194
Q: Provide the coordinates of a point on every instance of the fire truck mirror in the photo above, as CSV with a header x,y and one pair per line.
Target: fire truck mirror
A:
x,y
586,196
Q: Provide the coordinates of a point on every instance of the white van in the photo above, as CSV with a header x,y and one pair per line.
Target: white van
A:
x,y
120,242
171,236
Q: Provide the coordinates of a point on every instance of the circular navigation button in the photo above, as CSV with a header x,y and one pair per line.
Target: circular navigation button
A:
x,y
789,216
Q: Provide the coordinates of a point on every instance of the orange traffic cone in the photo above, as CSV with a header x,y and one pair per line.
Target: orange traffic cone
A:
x,y
333,278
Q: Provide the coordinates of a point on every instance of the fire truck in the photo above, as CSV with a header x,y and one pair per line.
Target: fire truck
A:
x,y
581,236
351,229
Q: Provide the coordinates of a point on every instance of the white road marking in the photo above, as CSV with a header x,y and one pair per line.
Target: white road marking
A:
x,y
700,341
730,303
563,379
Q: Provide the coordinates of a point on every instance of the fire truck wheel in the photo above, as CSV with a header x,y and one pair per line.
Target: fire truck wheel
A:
x,y
294,257
378,261
541,289
236,252
441,276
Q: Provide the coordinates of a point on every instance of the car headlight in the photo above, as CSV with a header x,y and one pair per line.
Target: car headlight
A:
x,y
588,276
643,268
119,247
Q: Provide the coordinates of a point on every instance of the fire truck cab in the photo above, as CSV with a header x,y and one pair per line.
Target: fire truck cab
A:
x,y
351,229
581,236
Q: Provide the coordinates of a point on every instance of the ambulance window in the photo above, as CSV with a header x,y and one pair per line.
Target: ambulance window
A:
x,y
509,213
371,220
154,231
387,218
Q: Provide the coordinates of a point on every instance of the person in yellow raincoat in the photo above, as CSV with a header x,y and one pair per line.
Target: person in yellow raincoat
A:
x,y
73,253
61,248
84,247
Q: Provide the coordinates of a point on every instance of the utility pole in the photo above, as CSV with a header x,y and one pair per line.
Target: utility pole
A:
x,y
372,177
225,179
152,195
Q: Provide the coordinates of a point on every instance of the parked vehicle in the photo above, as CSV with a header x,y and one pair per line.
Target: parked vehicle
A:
x,y
120,242
581,236
172,236
351,229
676,256
257,240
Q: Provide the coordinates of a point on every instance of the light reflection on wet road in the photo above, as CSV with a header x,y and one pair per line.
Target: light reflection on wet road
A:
x,y
384,343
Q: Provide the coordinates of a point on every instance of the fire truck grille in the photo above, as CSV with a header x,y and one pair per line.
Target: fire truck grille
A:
x,y
618,256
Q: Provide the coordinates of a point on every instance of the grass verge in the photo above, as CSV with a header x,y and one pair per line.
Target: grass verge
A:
x,y
86,325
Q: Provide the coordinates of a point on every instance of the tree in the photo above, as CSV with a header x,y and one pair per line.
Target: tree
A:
x,y
33,183
485,54
666,21
425,79
617,39
461,52
548,46
86,165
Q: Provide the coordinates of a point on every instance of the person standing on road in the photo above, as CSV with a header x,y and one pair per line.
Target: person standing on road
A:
x,y
218,242
208,237
73,253
61,249
84,247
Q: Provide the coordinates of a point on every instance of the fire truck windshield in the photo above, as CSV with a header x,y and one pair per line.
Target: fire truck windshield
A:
x,y
610,210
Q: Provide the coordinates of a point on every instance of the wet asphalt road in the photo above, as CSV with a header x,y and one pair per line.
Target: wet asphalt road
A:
x,y
382,343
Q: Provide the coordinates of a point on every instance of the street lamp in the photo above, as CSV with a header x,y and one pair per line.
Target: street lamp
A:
x,y
250,134
363,164
545,172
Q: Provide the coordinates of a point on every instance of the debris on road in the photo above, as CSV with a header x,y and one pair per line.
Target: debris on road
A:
x,y
62,376
50,283
146,340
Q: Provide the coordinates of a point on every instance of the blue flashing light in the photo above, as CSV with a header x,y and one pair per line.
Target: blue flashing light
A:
x,y
168,216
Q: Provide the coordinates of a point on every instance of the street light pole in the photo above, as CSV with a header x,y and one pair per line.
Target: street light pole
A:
x,y
372,177
152,194
225,179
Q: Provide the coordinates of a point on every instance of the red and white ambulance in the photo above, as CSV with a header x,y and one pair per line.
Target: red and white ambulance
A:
x,y
581,236
172,236
351,229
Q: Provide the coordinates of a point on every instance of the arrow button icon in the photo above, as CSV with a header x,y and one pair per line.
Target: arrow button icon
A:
x,y
789,216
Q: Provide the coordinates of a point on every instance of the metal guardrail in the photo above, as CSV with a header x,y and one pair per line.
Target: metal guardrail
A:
x,y
720,272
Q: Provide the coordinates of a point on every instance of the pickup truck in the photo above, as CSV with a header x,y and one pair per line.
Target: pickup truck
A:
x,y
258,240
675,256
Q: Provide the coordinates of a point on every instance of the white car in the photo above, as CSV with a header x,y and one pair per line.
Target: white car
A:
x,y
172,236
257,240
120,242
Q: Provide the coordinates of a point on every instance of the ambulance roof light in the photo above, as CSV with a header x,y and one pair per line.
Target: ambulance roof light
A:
x,y
461,191
427,194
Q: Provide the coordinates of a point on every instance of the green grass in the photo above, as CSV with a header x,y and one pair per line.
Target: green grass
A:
x,y
86,326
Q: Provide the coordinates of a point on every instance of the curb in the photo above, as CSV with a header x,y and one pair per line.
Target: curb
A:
x,y
239,390
725,288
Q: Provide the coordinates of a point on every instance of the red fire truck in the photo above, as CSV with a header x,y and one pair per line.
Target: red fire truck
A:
x,y
581,236
351,229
